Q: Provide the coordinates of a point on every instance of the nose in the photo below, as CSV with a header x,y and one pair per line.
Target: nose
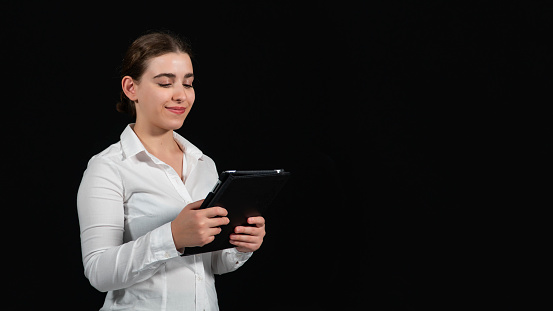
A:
x,y
179,95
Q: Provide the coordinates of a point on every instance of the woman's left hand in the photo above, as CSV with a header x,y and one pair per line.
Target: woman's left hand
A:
x,y
249,239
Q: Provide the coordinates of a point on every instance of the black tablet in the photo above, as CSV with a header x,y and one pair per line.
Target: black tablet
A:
x,y
243,194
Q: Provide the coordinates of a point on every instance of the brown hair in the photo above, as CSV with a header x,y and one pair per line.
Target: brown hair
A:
x,y
140,52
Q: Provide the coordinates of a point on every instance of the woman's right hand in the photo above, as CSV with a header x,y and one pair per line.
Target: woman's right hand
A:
x,y
197,227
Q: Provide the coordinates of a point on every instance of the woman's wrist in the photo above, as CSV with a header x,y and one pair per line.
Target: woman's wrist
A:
x,y
179,249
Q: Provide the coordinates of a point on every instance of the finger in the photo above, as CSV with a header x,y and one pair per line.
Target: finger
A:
x,y
207,240
258,221
245,247
217,221
249,230
244,238
215,211
213,231
194,205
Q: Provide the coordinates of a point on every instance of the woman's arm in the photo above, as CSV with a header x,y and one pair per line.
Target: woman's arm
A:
x,y
228,260
110,264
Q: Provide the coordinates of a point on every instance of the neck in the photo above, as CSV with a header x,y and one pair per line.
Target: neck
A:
x,y
154,139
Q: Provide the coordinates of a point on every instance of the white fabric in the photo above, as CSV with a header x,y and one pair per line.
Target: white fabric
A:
x,y
126,201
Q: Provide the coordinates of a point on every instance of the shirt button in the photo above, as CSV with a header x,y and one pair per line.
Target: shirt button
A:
x,y
167,255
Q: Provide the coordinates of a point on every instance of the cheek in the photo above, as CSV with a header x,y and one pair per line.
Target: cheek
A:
x,y
191,97
154,99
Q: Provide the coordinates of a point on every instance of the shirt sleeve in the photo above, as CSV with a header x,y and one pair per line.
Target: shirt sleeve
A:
x,y
228,260
110,264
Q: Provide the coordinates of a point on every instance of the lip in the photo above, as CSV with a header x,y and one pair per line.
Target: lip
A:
x,y
176,110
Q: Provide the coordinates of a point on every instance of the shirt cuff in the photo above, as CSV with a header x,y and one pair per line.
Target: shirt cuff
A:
x,y
239,256
162,244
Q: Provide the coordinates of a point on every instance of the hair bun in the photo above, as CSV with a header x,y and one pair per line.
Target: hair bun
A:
x,y
126,105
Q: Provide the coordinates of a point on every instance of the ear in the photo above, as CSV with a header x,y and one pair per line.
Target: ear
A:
x,y
129,87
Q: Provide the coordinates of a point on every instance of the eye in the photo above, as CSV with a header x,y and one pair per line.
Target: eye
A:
x,y
188,86
165,85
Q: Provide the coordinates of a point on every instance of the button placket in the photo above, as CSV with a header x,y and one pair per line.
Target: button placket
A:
x,y
174,178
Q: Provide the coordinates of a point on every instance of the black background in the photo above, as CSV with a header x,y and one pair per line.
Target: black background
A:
x,y
402,123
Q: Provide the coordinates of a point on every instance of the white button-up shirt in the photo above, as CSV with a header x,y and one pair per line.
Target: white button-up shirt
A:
x,y
126,202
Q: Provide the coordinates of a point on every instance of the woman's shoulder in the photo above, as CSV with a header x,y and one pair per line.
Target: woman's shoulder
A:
x,y
110,155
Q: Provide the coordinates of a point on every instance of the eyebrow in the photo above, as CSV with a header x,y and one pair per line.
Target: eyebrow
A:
x,y
172,75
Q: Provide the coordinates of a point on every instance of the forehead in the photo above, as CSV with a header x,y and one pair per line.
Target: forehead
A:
x,y
177,63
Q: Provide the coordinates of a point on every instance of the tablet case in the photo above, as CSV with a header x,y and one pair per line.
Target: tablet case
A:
x,y
243,194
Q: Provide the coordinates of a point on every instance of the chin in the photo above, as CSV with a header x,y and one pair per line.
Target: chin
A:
x,y
169,124
174,124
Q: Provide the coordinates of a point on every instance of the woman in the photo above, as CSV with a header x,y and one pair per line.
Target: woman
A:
x,y
130,202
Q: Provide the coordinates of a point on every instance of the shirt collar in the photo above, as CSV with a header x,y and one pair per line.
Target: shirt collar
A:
x,y
187,146
131,145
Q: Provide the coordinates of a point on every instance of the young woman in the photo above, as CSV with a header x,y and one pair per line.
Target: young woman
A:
x,y
138,200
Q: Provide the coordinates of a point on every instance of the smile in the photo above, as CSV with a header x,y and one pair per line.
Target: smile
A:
x,y
176,110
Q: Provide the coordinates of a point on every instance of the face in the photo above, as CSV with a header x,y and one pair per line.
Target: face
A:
x,y
164,94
